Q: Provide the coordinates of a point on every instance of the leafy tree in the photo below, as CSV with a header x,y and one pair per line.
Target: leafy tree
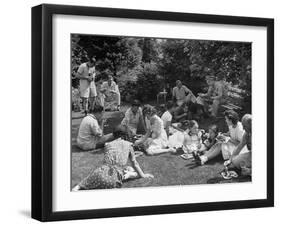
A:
x,y
150,49
144,66
113,53
175,62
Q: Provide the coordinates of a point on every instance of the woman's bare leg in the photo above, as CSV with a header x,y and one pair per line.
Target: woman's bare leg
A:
x,y
130,173
92,101
157,151
212,153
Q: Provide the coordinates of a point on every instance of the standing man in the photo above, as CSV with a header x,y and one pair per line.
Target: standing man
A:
x,y
85,76
93,89
111,94
181,94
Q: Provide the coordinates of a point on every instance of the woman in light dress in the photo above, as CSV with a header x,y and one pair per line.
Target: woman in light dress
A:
x,y
239,159
227,142
155,140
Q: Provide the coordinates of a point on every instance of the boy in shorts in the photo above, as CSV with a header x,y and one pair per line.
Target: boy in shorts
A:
x,y
85,76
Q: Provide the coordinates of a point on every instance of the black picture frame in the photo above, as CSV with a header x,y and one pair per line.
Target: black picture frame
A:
x,y
42,108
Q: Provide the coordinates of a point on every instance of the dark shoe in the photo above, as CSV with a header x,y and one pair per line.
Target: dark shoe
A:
x,y
196,156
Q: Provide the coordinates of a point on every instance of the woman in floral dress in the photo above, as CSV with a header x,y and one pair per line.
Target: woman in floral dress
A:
x,y
115,169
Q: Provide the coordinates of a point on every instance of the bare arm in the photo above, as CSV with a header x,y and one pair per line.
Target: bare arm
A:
x,y
102,90
220,92
80,76
240,146
103,87
96,130
177,128
208,92
178,117
187,90
136,165
143,139
227,133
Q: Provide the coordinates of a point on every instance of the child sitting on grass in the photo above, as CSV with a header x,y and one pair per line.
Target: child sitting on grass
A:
x,y
115,169
192,139
209,140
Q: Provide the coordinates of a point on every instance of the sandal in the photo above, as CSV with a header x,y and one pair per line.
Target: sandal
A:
x,y
227,175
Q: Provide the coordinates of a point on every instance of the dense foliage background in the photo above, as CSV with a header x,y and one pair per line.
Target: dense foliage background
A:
x,y
144,66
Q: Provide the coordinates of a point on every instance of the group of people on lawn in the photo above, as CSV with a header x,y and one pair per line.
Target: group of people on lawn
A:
x,y
107,96
161,136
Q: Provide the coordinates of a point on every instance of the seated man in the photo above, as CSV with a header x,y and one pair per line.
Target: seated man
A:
x,y
133,117
181,94
90,135
182,113
213,98
111,95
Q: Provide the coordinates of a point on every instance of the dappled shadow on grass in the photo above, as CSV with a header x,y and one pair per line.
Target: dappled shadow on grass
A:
x,y
76,149
192,165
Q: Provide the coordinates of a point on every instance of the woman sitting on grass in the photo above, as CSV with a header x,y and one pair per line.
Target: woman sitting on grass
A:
x,y
155,140
238,159
227,142
114,170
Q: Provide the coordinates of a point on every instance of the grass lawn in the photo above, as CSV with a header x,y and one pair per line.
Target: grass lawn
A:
x,y
168,169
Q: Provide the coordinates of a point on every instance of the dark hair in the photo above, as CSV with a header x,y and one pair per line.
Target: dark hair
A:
x,y
145,109
97,109
135,103
169,105
214,128
149,110
109,75
219,75
92,60
190,123
232,116
178,81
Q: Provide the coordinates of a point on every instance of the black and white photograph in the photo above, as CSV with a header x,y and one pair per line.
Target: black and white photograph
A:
x,y
149,112
142,112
